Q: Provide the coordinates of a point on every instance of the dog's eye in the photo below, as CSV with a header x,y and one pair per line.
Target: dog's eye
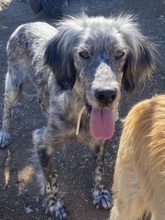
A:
x,y
119,54
84,54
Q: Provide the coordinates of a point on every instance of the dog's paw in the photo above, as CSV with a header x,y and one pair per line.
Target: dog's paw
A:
x,y
102,199
57,211
4,139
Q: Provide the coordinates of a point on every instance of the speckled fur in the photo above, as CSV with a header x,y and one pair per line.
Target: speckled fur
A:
x,y
117,54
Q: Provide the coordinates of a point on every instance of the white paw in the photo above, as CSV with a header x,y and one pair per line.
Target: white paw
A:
x,y
102,199
4,139
57,211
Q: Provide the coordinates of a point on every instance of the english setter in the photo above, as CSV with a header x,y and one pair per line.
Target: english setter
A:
x,y
78,69
139,178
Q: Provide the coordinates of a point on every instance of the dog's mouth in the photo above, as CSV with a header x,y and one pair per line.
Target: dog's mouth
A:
x,y
102,124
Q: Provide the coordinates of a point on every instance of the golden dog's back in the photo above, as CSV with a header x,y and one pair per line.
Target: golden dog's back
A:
x,y
139,178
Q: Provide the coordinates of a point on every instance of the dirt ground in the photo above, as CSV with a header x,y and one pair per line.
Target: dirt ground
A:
x,y
19,195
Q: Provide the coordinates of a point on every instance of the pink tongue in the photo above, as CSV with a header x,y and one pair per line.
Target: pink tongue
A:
x,y
101,123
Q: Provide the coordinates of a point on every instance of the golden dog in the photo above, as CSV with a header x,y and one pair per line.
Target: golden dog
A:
x,y
139,178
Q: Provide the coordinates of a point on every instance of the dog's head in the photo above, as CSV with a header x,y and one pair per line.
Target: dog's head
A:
x,y
100,54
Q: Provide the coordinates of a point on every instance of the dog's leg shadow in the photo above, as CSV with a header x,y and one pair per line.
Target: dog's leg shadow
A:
x,y
101,196
45,175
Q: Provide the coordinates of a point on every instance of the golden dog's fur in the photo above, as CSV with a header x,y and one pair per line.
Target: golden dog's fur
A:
x,y
139,178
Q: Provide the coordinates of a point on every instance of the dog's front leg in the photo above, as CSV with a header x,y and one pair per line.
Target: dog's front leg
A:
x,y
10,98
45,153
54,204
101,196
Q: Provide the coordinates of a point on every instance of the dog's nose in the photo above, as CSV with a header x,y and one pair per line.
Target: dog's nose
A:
x,y
106,96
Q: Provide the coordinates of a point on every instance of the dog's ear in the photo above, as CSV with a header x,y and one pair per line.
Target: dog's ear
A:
x,y
142,55
61,63
138,67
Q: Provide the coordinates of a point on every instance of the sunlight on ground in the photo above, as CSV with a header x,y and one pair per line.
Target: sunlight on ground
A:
x,y
7,169
24,177
4,6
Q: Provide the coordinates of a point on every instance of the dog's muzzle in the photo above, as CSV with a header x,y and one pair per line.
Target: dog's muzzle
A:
x,y
102,121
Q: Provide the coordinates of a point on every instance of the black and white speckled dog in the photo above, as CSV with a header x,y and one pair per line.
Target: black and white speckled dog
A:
x,y
78,70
